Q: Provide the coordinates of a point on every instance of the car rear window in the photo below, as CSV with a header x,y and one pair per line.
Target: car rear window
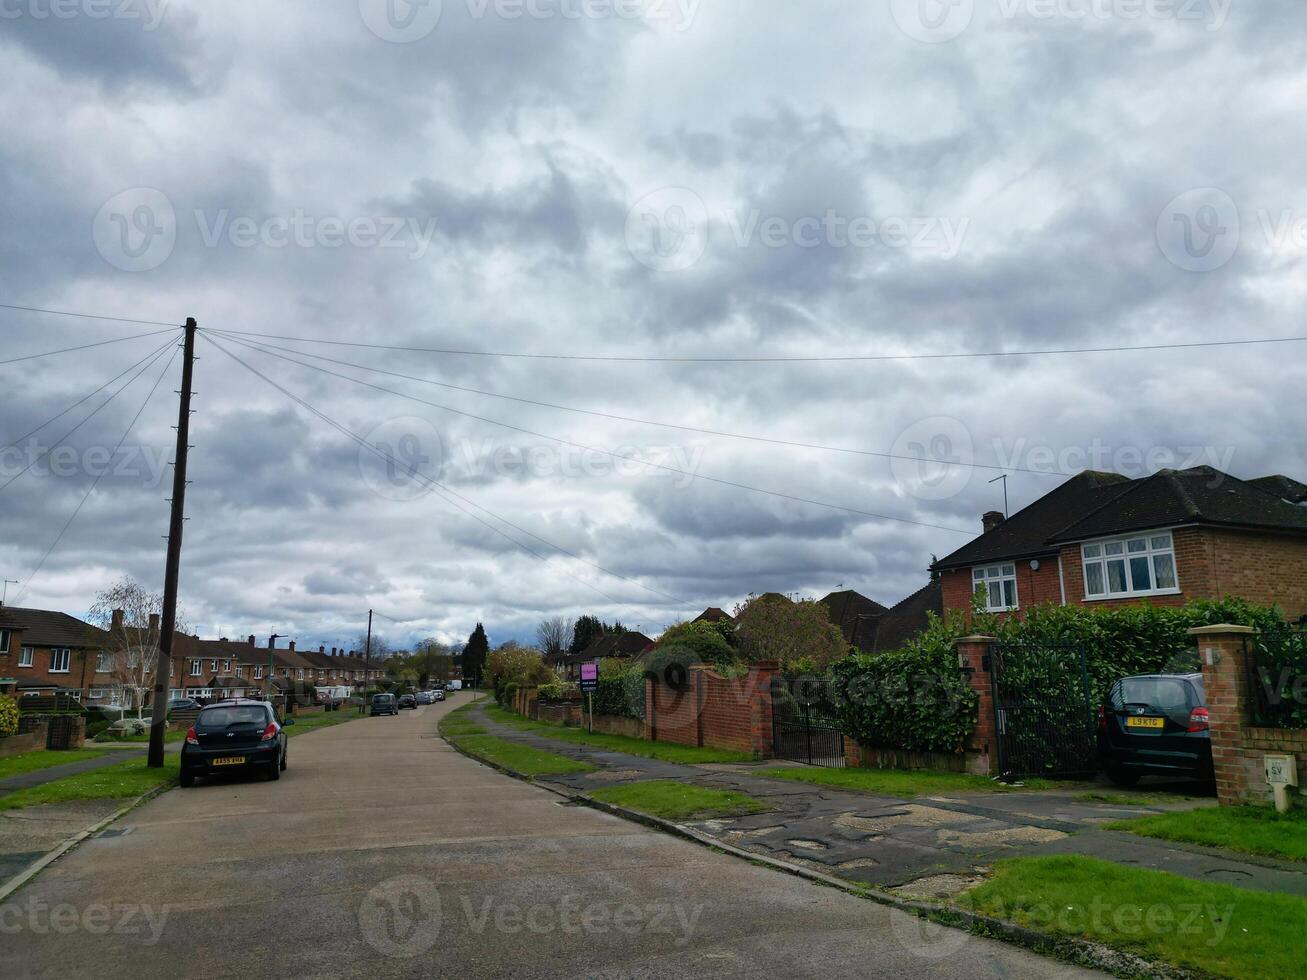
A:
x,y
226,717
1162,693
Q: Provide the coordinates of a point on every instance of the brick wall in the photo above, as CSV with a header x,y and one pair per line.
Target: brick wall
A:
x,y
1237,746
1035,587
711,710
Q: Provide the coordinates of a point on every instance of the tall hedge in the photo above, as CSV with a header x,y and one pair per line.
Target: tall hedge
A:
x,y
8,716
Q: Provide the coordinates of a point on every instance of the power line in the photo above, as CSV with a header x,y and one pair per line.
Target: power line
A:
x,y
80,401
89,316
70,350
665,425
149,360
412,470
771,358
615,455
100,476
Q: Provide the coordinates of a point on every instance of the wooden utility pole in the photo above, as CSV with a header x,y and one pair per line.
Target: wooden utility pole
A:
x,y
163,667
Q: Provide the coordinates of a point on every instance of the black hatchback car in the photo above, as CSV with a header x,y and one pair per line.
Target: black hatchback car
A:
x,y
1155,724
384,704
234,736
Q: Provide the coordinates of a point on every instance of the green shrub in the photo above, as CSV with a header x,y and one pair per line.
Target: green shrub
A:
x,y
8,716
552,691
707,642
621,690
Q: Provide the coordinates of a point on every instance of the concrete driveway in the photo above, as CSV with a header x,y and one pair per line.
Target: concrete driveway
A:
x,y
382,852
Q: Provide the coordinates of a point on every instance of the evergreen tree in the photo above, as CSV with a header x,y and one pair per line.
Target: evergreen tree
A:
x,y
474,655
584,633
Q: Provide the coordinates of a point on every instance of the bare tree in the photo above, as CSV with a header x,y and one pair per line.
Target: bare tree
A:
x,y
133,637
553,636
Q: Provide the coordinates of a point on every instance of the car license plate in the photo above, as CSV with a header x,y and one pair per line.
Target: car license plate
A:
x,y
235,760
1145,723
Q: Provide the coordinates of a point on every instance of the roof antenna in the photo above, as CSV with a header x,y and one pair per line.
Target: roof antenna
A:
x,y
1006,515
7,582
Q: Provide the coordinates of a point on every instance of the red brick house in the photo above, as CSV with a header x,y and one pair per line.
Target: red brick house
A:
x,y
47,652
1101,540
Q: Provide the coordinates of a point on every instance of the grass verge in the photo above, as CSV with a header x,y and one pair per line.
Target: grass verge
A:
x,y
679,801
457,722
1204,926
690,755
520,758
16,765
1133,799
900,782
123,781
1253,830
174,736
327,719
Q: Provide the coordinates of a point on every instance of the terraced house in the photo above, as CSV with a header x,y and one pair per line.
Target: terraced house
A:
x,y
1101,539
44,652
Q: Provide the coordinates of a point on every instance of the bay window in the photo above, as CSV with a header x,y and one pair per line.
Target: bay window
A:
x,y
997,585
1137,565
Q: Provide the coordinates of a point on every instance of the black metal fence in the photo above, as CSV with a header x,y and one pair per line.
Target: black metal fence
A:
x,y
1043,717
804,725
1277,679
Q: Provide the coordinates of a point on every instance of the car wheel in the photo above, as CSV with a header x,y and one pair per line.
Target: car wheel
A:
x,y
274,770
283,760
1122,777
187,779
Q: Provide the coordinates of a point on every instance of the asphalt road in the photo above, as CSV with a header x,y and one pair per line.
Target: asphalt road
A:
x,y
382,852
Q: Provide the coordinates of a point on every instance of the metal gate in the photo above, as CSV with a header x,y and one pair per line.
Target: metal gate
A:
x,y
1043,718
804,725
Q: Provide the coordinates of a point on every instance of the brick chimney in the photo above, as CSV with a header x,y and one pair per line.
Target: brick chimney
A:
x,y
292,646
154,622
117,622
992,519
322,649
252,641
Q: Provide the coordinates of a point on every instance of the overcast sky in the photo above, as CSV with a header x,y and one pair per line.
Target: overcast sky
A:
x,y
629,178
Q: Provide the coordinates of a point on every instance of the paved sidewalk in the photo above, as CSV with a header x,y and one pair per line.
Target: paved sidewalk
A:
x,y
928,847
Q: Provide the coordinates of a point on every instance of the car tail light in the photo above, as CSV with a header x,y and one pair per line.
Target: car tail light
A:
x,y
269,733
191,737
1102,718
1199,720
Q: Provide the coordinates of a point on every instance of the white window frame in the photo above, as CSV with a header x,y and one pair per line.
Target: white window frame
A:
x,y
103,663
4,641
258,673
1146,546
61,655
1000,573
197,668
26,656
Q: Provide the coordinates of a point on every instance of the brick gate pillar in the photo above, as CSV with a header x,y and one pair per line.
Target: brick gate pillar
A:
x,y
1223,654
974,663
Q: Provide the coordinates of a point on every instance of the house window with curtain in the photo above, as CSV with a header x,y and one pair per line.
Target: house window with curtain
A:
x,y
1138,565
997,585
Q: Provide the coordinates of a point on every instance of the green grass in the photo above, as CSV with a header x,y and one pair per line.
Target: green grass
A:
x,y
520,758
690,755
679,801
16,765
1206,926
123,781
1253,830
458,722
173,736
901,782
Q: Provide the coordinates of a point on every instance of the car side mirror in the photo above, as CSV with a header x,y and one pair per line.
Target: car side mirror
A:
x,y
287,722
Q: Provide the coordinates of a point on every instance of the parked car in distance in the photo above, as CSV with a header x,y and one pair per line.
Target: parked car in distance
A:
x,y
236,735
1155,724
408,701
184,704
453,685
424,697
437,695
384,704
